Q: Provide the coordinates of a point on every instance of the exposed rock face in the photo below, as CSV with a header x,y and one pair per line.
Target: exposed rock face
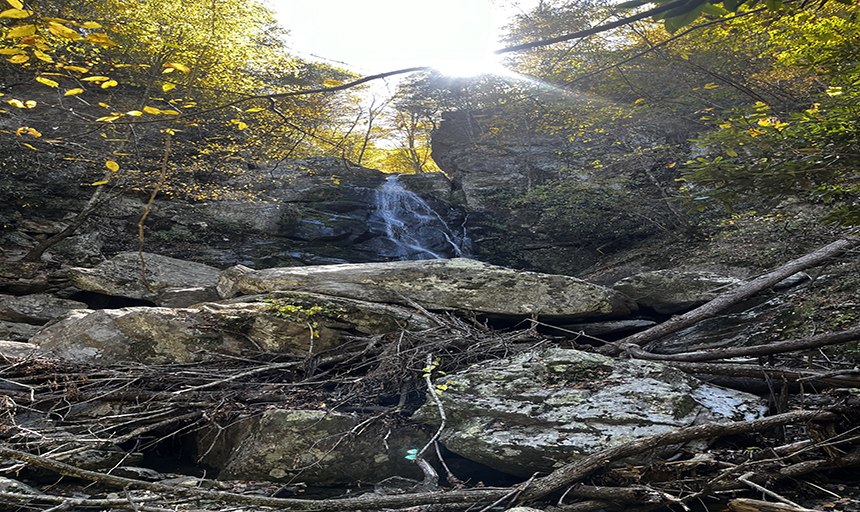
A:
x,y
670,291
537,411
457,284
35,309
299,323
318,445
172,282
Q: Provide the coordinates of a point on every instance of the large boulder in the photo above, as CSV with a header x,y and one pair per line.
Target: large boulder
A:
x,y
35,309
283,323
458,284
671,291
317,447
171,282
537,411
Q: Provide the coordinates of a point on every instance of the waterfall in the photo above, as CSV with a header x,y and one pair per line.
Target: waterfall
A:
x,y
410,229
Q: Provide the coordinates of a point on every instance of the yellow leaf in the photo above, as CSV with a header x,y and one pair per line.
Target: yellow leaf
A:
x,y
332,83
30,103
107,119
16,4
255,110
46,81
31,147
100,39
168,70
171,112
113,166
63,31
110,83
105,105
731,152
97,183
72,92
168,87
95,79
240,125
18,59
43,56
711,86
16,13
640,100
91,24
177,65
16,103
10,51
21,31
134,113
151,110
76,68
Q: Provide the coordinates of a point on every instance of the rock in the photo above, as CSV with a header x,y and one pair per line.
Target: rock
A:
x,y
17,332
280,323
35,309
19,269
97,460
319,447
670,291
172,282
137,473
537,411
457,284
84,250
19,350
756,322
14,486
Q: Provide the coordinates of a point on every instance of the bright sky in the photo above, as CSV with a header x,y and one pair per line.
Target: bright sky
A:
x,y
374,36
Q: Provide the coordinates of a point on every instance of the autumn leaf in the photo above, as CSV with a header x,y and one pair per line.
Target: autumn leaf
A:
x,y
255,109
43,56
168,87
29,131
21,31
177,65
63,31
16,4
151,110
30,104
16,13
18,59
171,112
72,92
46,81
97,183
113,166
134,113
91,24
10,51
95,79
100,39
108,119
76,68
110,83
16,103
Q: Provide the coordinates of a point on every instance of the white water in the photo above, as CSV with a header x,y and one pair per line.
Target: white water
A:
x,y
412,229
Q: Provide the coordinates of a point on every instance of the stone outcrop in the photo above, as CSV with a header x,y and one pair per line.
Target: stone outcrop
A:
x,y
457,284
170,282
281,323
35,309
323,447
537,411
671,291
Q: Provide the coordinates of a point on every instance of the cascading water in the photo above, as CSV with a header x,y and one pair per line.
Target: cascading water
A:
x,y
410,229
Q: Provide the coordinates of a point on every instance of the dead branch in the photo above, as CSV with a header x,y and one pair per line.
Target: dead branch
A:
x,y
778,347
848,378
732,297
748,505
572,473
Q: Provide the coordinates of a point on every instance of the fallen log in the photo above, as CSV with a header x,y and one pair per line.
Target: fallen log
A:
x,y
749,505
732,297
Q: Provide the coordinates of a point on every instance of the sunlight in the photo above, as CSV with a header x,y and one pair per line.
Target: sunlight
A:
x,y
468,66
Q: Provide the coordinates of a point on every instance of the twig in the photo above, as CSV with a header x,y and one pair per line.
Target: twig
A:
x,y
745,479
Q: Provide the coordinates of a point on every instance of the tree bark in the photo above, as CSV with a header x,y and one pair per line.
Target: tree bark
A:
x,y
722,302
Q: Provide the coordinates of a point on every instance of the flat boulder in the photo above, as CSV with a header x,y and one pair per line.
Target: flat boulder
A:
x,y
280,323
672,291
457,284
35,309
537,411
172,282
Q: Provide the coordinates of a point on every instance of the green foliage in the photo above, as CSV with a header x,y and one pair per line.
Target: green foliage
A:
x,y
301,312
